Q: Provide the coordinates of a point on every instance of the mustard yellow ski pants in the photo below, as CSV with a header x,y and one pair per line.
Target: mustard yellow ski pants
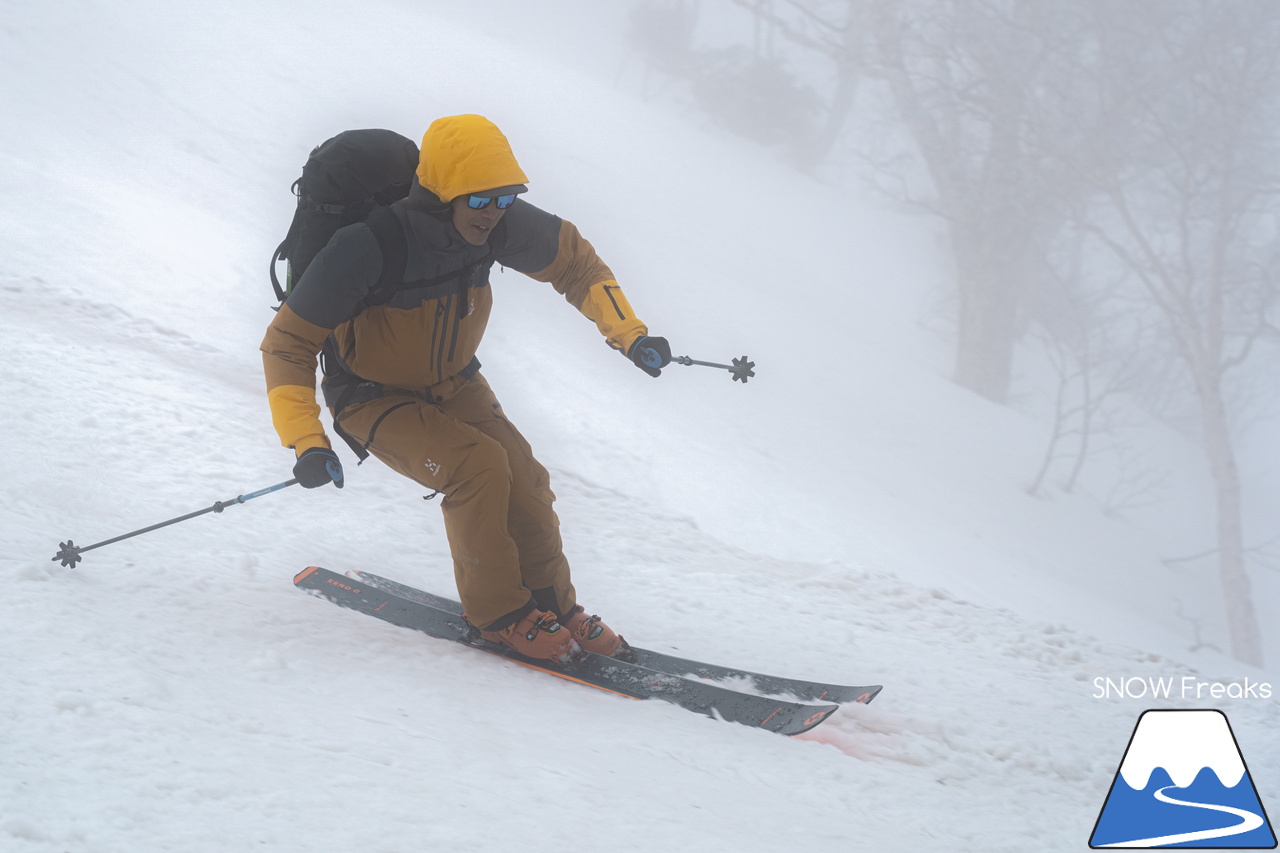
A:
x,y
497,500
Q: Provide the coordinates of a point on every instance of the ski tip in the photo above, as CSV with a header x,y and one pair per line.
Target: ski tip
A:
x,y
304,574
796,725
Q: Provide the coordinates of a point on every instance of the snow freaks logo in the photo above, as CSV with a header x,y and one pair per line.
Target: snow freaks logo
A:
x,y
1183,783
1185,688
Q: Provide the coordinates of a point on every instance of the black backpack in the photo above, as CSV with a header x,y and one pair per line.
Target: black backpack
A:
x,y
349,178
354,177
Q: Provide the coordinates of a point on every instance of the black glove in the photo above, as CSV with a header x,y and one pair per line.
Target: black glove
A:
x,y
650,355
318,467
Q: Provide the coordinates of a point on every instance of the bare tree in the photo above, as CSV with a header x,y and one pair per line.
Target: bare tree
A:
x,y
1096,365
1188,164
836,30
979,89
969,81
964,78
982,89
661,33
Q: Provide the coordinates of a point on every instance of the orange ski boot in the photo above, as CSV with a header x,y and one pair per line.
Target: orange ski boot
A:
x,y
538,635
595,636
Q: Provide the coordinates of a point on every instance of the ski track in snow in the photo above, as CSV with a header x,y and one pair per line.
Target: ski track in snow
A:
x,y
175,693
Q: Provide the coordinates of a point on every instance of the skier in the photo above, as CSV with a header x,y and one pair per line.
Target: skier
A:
x,y
402,380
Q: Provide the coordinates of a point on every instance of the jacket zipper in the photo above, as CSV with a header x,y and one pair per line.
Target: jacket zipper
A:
x,y
462,298
607,289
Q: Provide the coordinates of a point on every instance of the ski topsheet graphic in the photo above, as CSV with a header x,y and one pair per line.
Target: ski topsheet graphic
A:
x,y
1183,783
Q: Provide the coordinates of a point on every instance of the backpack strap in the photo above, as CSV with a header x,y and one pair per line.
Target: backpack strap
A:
x,y
282,252
389,233
276,258
341,388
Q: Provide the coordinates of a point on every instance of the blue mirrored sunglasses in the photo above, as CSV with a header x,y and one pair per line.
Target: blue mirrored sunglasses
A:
x,y
480,202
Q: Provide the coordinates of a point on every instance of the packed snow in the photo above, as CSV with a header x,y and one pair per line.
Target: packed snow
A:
x,y
849,515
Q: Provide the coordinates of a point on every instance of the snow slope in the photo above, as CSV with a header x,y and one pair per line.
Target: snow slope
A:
x,y
848,515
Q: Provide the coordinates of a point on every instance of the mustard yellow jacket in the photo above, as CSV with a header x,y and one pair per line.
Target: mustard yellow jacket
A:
x,y
427,334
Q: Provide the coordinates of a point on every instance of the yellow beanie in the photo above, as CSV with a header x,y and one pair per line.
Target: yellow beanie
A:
x,y
467,154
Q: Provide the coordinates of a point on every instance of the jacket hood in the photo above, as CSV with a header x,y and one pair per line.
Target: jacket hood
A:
x,y
466,154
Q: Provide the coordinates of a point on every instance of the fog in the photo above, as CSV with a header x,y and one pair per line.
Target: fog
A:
x,y
1101,197
1014,331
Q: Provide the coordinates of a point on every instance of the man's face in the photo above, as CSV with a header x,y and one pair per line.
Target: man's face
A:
x,y
475,225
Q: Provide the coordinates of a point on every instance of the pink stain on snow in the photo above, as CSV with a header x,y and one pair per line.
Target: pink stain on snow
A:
x,y
834,737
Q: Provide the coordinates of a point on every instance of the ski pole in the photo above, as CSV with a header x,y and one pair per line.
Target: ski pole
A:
x,y
741,368
70,553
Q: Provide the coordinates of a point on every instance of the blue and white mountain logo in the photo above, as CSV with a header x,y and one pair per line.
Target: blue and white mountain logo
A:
x,y
1183,783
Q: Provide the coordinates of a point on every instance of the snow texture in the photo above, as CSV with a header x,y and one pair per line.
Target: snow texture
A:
x,y
849,515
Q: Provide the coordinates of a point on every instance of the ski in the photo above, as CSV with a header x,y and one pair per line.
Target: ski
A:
x,y
608,674
772,685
